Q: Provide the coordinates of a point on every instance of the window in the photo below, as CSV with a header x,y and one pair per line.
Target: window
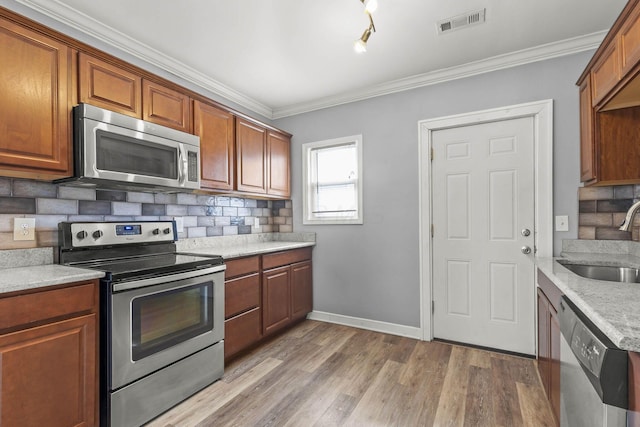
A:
x,y
332,181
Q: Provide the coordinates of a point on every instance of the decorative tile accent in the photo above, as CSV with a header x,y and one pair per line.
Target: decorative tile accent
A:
x,y
603,209
203,215
17,205
94,207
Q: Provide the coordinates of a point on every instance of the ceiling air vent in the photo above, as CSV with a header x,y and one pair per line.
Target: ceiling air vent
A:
x,y
462,21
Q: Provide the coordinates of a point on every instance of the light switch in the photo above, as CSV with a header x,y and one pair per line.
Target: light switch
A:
x,y
562,223
24,229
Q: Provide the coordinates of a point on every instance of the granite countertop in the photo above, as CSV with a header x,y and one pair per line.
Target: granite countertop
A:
x,y
24,269
39,276
238,246
612,306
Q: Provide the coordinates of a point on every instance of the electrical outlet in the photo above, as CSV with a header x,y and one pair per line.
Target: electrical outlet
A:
x,y
562,223
179,223
24,229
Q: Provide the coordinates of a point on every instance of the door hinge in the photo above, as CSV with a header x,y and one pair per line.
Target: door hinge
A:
x,y
433,306
432,154
432,230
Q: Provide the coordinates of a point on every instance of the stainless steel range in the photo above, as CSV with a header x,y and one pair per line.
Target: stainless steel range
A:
x,y
162,315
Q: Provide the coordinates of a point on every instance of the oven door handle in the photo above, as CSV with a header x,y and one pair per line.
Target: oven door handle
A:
x,y
134,284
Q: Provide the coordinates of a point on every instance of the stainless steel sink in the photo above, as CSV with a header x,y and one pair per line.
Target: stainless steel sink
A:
x,y
603,272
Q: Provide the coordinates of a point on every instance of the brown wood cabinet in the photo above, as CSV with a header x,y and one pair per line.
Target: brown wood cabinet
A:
x,y
251,152
265,294
166,106
36,95
278,164
549,341
216,128
287,293
48,357
243,312
109,86
610,105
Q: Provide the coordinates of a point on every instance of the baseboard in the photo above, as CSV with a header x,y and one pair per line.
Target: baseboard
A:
x,y
371,325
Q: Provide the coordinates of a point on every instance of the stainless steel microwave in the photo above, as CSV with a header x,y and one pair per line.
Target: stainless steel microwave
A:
x,y
112,150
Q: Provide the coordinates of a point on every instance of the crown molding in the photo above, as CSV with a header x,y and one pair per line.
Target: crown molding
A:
x,y
513,59
87,25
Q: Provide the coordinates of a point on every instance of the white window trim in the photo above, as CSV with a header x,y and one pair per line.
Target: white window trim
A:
x,y
306,155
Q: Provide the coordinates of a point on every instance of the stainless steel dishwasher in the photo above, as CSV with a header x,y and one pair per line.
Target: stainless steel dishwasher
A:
x,y
593,373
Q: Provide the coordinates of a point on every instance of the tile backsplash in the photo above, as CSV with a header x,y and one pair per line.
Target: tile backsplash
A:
x,y
603,209
203,215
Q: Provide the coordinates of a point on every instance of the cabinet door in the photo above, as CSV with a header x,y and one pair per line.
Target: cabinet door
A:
x,y
165,106
278,164
48,375
630,42
36,95
544,363
606,72
217,146
108,86
301,289
554,369
251,148
587,143
276,295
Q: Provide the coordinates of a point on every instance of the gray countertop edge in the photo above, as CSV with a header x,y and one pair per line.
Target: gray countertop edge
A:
x,y
40,276
611,306
230,252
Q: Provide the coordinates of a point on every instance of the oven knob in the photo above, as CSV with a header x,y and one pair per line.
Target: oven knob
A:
x,y
97,234
81,234
156,231
166,231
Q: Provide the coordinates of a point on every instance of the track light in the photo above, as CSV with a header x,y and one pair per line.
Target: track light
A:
x,y
360,45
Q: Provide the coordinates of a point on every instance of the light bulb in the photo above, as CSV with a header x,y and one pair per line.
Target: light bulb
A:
x,y
370,5
360,46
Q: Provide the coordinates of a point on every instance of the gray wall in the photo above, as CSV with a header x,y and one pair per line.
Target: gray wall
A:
x,y
372,271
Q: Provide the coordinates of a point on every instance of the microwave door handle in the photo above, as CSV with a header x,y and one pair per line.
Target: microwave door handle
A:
x,y
182,165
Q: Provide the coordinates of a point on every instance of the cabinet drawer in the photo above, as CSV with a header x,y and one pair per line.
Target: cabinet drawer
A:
x,y
242,331
550,290
241,294
241,266
278,259
27,309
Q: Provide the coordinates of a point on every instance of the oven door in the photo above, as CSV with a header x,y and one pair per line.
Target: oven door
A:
x,y
158,324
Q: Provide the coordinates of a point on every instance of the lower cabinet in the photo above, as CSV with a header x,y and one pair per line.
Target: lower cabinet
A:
x,y
264,294
48,357
549,341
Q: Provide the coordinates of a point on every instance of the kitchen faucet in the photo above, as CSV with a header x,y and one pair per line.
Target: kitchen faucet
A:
x,y
631,213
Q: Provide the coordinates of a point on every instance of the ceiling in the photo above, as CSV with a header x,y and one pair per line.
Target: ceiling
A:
x,y
283,57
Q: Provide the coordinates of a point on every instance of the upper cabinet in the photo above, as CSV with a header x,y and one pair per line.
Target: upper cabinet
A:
x,y
165,106
610,105
36,95
278,164
108,86
114,88
45,73
216,129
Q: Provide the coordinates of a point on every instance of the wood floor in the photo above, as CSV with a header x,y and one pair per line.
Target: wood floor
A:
x,y
321,374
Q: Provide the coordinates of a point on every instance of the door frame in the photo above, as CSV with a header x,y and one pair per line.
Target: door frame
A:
x,y
542,114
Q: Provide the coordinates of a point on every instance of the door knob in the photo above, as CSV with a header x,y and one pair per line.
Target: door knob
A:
x,y
526,250
525,232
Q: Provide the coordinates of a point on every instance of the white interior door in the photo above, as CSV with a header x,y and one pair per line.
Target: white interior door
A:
x,y
482,204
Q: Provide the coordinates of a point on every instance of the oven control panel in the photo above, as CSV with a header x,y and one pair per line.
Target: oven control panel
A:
x,y
87,234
